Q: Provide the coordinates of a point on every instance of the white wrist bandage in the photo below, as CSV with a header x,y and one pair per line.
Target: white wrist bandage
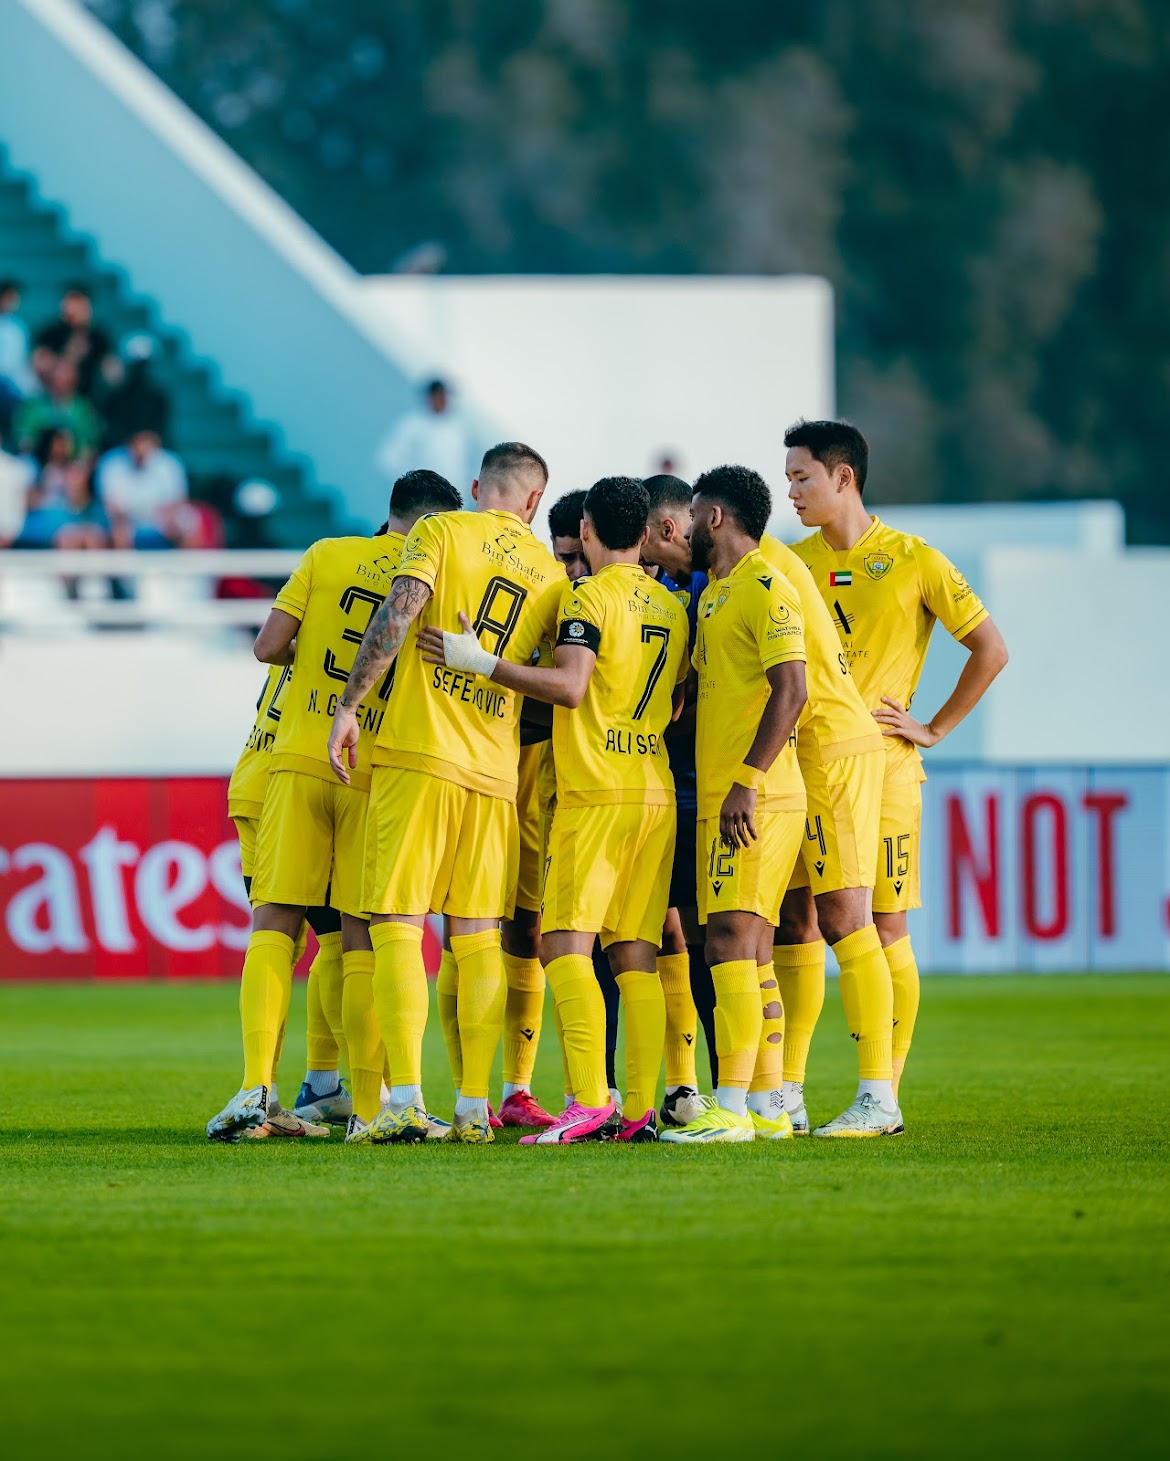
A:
x,y
464,652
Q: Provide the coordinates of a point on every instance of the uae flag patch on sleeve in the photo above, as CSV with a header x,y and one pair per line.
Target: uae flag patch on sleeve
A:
x,y
841,578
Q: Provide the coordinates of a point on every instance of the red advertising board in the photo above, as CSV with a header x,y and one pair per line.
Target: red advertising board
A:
x,y
115,878
1023,868
118,878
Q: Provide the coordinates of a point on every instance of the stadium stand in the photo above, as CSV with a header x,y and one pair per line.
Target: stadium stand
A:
x,y
209,427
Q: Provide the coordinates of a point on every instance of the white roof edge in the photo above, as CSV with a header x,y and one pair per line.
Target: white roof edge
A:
x,y
560,281
207,155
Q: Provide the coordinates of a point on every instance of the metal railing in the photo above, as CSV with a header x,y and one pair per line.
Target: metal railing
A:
x,y
76,590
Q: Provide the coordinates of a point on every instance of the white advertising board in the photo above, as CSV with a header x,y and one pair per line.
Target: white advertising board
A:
x,y
1044,869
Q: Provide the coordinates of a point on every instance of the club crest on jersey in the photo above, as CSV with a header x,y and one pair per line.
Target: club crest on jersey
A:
x,y
877,565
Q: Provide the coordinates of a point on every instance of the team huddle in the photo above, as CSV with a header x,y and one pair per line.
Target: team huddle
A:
x,y
657,769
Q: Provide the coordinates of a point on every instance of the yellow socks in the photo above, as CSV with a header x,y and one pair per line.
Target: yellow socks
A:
x,y
401,999
323,998
769,1071
904,974
447,1000
362,1037
523,1015
682,1020
581,1011
276,1057
567,1074
868,997
739,1016
800,974
481,1007
265,991
645,1008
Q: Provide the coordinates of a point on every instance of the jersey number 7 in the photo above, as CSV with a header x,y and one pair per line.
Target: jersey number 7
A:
x,y
653,634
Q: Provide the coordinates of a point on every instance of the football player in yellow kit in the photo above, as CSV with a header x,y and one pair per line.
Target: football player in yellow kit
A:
x,y
443,835
249,781
841,756
620,661
885,591
520,934
750,660
311,838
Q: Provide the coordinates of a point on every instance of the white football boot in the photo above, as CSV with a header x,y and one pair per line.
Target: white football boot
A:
x,y
245,1110
866,1117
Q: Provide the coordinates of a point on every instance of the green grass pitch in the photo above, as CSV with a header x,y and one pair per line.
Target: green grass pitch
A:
x,y
992,1284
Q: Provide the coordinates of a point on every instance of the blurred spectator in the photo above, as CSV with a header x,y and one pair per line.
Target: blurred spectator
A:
x,y
143,487
666,466
16,377
17,476
138,403
62,512
436,436
62,406
73,336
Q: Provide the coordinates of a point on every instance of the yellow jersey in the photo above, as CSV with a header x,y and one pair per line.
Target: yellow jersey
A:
x,y
610,750
884,596
250,776
835,722
460,727
748,622
334,591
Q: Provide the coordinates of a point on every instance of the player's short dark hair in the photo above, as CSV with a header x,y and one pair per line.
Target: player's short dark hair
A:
x,y
618,508
78,286
423,491
507,456
667,491
564,516
10,286
833,444
741,492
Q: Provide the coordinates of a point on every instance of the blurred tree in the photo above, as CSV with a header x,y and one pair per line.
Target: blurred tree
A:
x,y
978,178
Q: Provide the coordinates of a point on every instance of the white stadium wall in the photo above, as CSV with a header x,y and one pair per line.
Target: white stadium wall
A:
x,y
604,375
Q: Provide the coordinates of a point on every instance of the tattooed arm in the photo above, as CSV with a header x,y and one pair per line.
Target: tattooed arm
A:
x,y
383,639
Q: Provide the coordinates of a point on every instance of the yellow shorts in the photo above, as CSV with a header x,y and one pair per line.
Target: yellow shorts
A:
x,y
897,887
534,828
841,824
246,829
311,843
747,879
609,871
433,846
